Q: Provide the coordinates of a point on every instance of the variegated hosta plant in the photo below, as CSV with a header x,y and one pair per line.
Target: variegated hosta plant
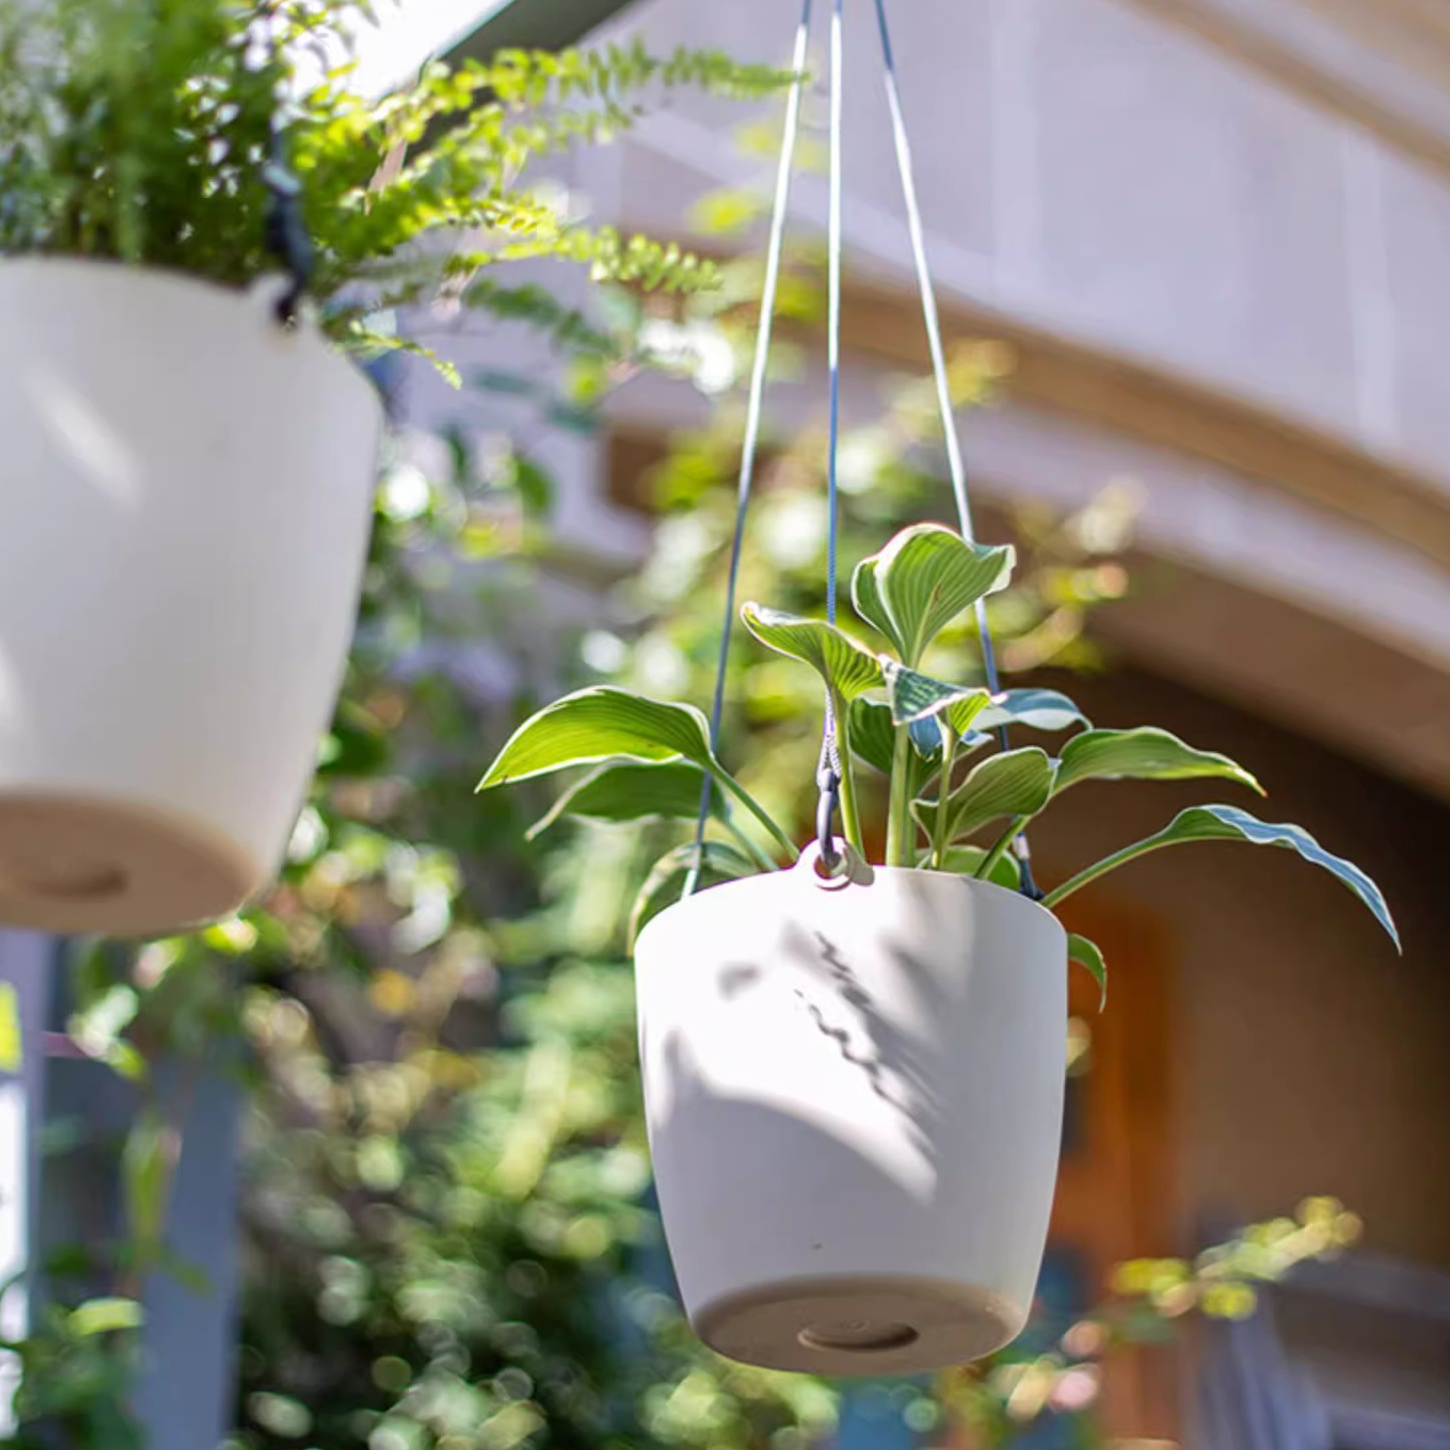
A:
x,y
960,791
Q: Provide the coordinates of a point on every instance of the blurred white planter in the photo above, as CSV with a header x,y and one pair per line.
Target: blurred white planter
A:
x,y
854,1092
185,496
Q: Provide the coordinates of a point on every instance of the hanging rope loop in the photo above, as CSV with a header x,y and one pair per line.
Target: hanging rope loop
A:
x,y
750,444
930,316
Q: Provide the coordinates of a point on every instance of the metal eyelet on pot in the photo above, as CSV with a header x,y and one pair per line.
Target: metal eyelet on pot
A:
x,y
849,868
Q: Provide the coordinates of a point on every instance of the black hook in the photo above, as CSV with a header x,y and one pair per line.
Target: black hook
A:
x,y
285,231
830,783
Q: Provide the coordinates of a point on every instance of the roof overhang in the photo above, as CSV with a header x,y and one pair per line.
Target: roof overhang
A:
x,y
534,24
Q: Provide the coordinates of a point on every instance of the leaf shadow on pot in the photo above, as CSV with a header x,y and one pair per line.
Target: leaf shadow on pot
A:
x,y
895,1061
752,1192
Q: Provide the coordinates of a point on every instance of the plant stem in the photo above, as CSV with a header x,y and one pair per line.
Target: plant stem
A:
x,y
850,818
898,819
944,790
756,853
1101,868
754,807
999,848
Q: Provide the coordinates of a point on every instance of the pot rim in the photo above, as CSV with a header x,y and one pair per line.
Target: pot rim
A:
x,y
804,864
239,298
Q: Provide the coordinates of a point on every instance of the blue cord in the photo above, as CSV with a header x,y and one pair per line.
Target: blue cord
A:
x,y
930,316
830,768
750,444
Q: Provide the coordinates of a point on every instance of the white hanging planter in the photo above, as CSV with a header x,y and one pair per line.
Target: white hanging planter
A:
x,y
854,1091
185,497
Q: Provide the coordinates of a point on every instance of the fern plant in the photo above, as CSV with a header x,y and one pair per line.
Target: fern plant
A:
x,y
143,134
959,796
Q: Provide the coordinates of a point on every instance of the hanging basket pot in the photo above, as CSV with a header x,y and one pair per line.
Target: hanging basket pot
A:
x,y
854,1092
185,497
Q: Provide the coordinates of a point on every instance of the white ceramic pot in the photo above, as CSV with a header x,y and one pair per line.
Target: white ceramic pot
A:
x,y
854,1091
185,497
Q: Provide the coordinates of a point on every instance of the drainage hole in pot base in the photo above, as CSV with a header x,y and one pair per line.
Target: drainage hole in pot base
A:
x,y
57,879
81,862
857,1336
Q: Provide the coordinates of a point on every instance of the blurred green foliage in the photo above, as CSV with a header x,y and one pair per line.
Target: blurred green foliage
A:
x,y
449,1243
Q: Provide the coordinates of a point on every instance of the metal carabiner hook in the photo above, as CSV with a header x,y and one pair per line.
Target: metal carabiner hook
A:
x,y
830,784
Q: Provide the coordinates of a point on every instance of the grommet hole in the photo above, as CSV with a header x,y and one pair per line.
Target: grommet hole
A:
x,y
858,1336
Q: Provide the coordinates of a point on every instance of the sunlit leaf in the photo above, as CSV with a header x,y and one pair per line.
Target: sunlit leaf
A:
x,y
846,666
1145,753
1036,709
966,860
662,888
868,602
1086,954
914,696
596,724
103,1316
623,791
922,580
1228,823
1012,783
11,1044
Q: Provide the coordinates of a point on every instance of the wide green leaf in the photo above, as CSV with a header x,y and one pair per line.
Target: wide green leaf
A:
x,y
625,791
1036,709
873,739
914,696
718,862
922,580
1228,823
1145,753
1087,954
847,667
925,735
601,723
1012,783
868,602
965,861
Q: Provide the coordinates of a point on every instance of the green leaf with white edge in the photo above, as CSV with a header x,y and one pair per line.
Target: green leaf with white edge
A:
x,y
965,860
847,667
1228,823
1036,709
597,724
923,579
666,881
1011,783
1144,753
104,1316
1086,954
867,601
625,791
914,696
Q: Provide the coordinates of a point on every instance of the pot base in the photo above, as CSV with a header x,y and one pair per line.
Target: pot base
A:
x,y
72,863
865,1324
